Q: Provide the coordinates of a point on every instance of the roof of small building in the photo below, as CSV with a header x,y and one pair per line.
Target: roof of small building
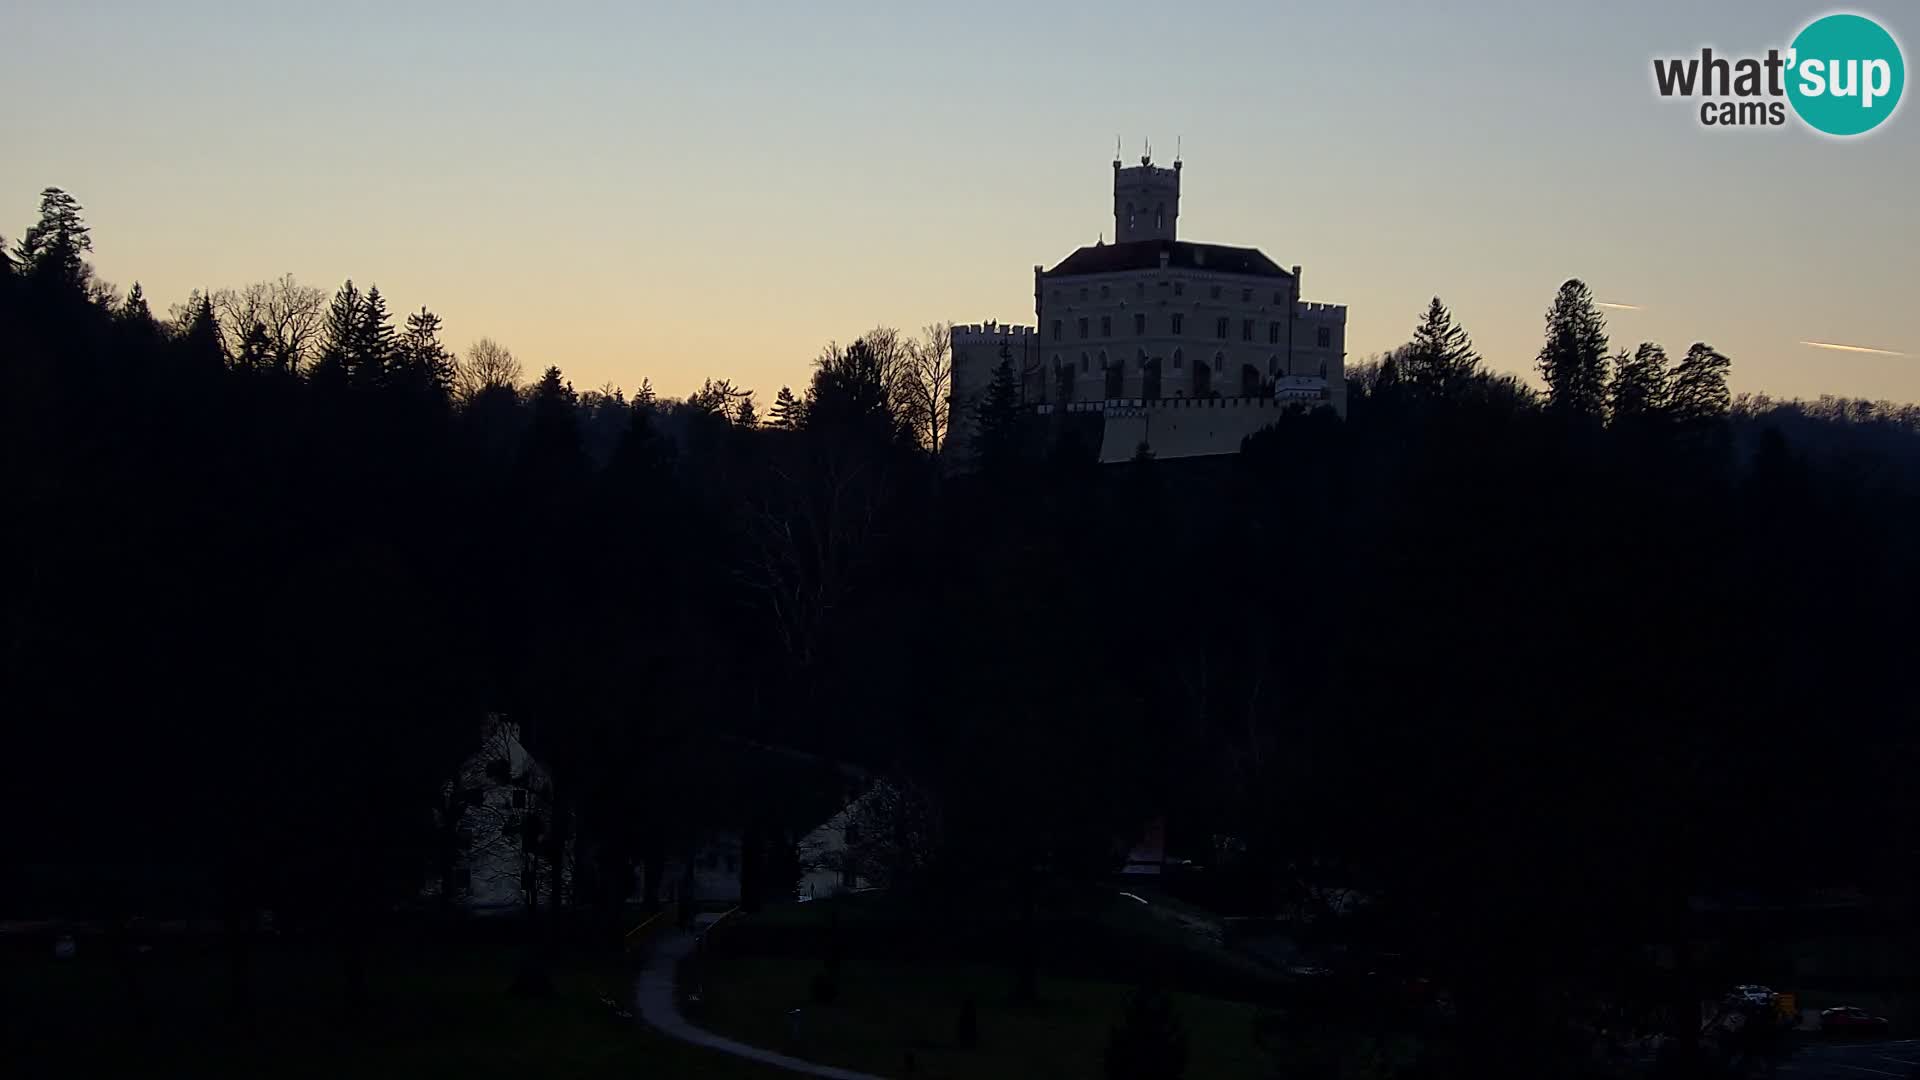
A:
x,y
1181,254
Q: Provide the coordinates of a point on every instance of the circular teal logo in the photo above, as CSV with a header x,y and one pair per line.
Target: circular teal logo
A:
x,y
1845,74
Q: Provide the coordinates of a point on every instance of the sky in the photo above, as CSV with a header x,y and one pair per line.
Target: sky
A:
x,y
718,189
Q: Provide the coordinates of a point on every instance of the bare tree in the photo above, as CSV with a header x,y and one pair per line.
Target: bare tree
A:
x,y
290,312
928,385
488,364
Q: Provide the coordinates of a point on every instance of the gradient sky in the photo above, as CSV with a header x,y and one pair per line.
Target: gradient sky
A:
x,y
717,189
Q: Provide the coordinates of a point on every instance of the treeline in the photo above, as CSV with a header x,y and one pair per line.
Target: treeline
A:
x,y
1529,669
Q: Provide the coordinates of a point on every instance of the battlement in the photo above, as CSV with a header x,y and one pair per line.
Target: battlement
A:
x,y
989,333
1299,389
1328,312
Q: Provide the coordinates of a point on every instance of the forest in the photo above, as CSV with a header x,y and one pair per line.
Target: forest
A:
x,y
1532,664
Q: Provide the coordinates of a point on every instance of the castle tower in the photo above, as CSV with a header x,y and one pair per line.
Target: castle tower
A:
x,y
1146,200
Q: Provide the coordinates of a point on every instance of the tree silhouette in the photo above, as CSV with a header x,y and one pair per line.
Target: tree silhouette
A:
x,y
370,351
996,433
787,413
53,250
1574,359
1639,389
422,364
339,338
135,310
1699,388
201,340
1440,360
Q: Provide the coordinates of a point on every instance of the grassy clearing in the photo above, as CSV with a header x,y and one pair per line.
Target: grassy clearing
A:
x,y
900,992
435,1012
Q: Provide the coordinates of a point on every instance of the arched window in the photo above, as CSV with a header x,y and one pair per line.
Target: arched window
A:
x,y
1179,361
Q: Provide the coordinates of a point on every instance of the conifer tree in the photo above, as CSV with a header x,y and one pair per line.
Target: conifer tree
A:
x,y
644,397
1574,359
996,435
1699,389
202,338
745,415
371,354
787,410
338,334
1440,358
1639,388
422,362
135,310
54,247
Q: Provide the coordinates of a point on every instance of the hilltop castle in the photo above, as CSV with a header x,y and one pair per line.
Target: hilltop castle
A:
x,y
1183,346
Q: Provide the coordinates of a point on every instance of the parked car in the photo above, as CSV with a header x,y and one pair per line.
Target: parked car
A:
x,y
1851,1020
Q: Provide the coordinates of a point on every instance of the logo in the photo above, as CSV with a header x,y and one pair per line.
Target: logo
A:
x,y
1842,75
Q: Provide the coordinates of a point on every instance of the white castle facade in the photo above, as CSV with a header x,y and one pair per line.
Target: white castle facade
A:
x,y
1185,347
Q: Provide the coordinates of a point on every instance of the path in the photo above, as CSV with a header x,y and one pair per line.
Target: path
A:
x,y
654,1002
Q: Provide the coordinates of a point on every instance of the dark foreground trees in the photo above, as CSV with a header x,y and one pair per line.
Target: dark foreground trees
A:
x,y
1500,667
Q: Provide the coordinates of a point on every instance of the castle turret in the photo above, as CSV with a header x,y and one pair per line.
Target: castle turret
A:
x,y
1146,201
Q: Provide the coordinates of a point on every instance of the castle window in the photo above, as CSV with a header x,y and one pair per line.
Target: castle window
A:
x,y
1214,293
1139,324
1178,360
1056,329
1106,326
1178,322
1246,296
1246,329
1179,288
1326,337
1103,292
1103,359
1220,326
1083,328
1323,369
1083,363
1160,216
1273,333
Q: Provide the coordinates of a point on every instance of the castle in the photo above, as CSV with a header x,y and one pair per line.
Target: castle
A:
x,y
1184,347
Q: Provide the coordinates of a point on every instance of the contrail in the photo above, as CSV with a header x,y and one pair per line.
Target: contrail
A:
x,y
1619,307
1852,348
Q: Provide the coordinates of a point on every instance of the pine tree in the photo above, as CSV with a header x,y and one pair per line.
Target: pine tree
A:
x,y
1149,1043
372,352
1699,388
644,397
422,363
135,310
745,416
1639,387
787,411
996,435
1440,358
1574,359
201,341
53,248
338,334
